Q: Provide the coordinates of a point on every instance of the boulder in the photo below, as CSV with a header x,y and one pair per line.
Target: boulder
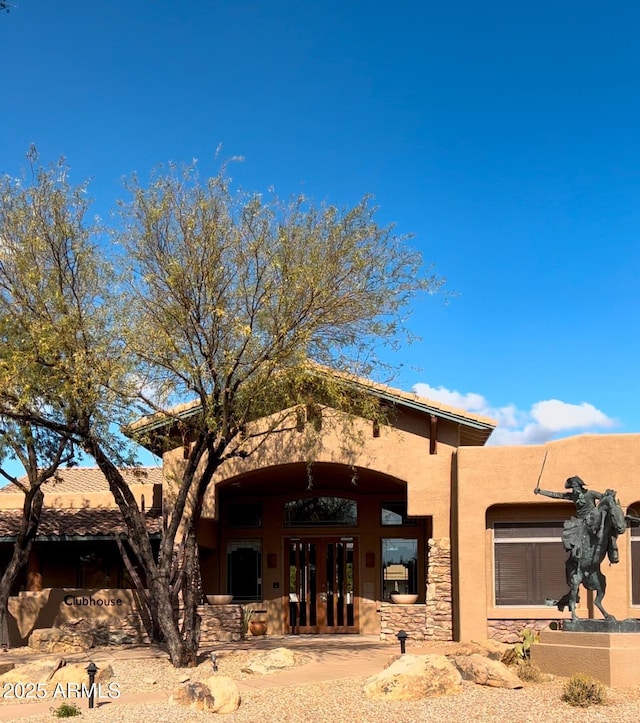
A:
x,y
77,673
468,648
39,672
484,671
225,692
271,661
495,648
56,640
414,677
196,696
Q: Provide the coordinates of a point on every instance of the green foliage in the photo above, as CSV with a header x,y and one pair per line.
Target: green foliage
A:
x,y
247,615
61,355
66,710
523,648
583,691
245,309
236,292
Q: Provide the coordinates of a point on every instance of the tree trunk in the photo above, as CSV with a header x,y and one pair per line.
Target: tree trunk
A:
x,y
32,509
148,611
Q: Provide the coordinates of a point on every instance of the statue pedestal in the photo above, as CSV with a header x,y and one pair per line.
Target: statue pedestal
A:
x,y
610,657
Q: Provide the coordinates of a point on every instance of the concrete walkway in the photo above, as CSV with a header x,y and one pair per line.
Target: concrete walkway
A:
x,y
332,658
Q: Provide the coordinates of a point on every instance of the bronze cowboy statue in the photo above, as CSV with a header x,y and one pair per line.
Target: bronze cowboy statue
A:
x,y
588,538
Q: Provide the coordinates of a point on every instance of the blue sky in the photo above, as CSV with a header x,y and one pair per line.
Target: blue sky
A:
x,y
504,135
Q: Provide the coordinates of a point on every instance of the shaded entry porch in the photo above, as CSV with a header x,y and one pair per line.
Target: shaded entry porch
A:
x,y
314,559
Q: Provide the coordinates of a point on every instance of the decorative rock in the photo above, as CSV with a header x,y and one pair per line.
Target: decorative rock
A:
x,y
196,696
271,661
483,671
413,677
56,640
40,672
116,637
77,673
184,678
149,681
494,648
6,667
470,648
226,693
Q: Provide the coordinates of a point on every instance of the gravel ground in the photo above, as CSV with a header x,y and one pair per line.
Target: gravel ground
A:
x,y
343,700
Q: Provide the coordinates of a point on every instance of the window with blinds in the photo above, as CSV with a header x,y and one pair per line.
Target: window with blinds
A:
x,y
529,563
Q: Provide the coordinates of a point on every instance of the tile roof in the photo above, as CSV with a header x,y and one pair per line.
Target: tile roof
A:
x,y
76,523
91,479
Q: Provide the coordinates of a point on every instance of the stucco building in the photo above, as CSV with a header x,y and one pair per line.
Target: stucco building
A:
x,y
418,505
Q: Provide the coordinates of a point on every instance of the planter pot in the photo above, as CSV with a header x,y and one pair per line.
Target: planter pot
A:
x,y
219,599
403,599
258,627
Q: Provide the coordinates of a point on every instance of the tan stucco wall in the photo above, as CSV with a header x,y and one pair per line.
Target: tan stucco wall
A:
x,y
490,477
401,453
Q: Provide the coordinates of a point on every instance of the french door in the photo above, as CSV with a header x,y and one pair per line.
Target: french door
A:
x,y
322,575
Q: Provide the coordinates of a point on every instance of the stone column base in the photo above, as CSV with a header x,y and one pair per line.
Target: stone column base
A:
x,y
611,658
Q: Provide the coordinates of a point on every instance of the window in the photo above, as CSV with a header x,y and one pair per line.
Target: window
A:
x,y
244,569
529,563
93,571
244,514
395,513
321,512
399,567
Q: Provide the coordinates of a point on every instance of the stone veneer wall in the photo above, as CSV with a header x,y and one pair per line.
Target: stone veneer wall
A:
x,y
430,621
410,618
220,623
439,600
510,631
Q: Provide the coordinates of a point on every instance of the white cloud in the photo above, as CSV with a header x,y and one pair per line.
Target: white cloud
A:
x,y
545,420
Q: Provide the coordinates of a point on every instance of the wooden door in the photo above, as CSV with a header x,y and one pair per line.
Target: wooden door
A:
x,y
322,575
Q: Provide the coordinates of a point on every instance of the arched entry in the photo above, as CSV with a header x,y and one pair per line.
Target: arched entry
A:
x,y
314,553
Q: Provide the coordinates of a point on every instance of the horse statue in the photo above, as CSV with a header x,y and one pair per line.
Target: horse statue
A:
x,y
588,538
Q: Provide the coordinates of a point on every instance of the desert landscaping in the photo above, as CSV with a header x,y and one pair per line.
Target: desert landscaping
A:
x,y
293,682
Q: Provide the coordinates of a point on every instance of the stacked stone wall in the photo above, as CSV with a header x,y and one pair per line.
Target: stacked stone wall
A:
x,y
510,631
394,618
220,624
430,621
439,617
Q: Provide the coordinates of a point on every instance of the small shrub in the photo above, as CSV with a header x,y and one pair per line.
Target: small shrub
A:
x,y
66,710
529,672
582,690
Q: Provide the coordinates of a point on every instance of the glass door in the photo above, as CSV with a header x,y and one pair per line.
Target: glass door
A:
x,y
322,579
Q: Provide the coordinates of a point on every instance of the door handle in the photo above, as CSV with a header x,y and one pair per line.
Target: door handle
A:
x,y
323,597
